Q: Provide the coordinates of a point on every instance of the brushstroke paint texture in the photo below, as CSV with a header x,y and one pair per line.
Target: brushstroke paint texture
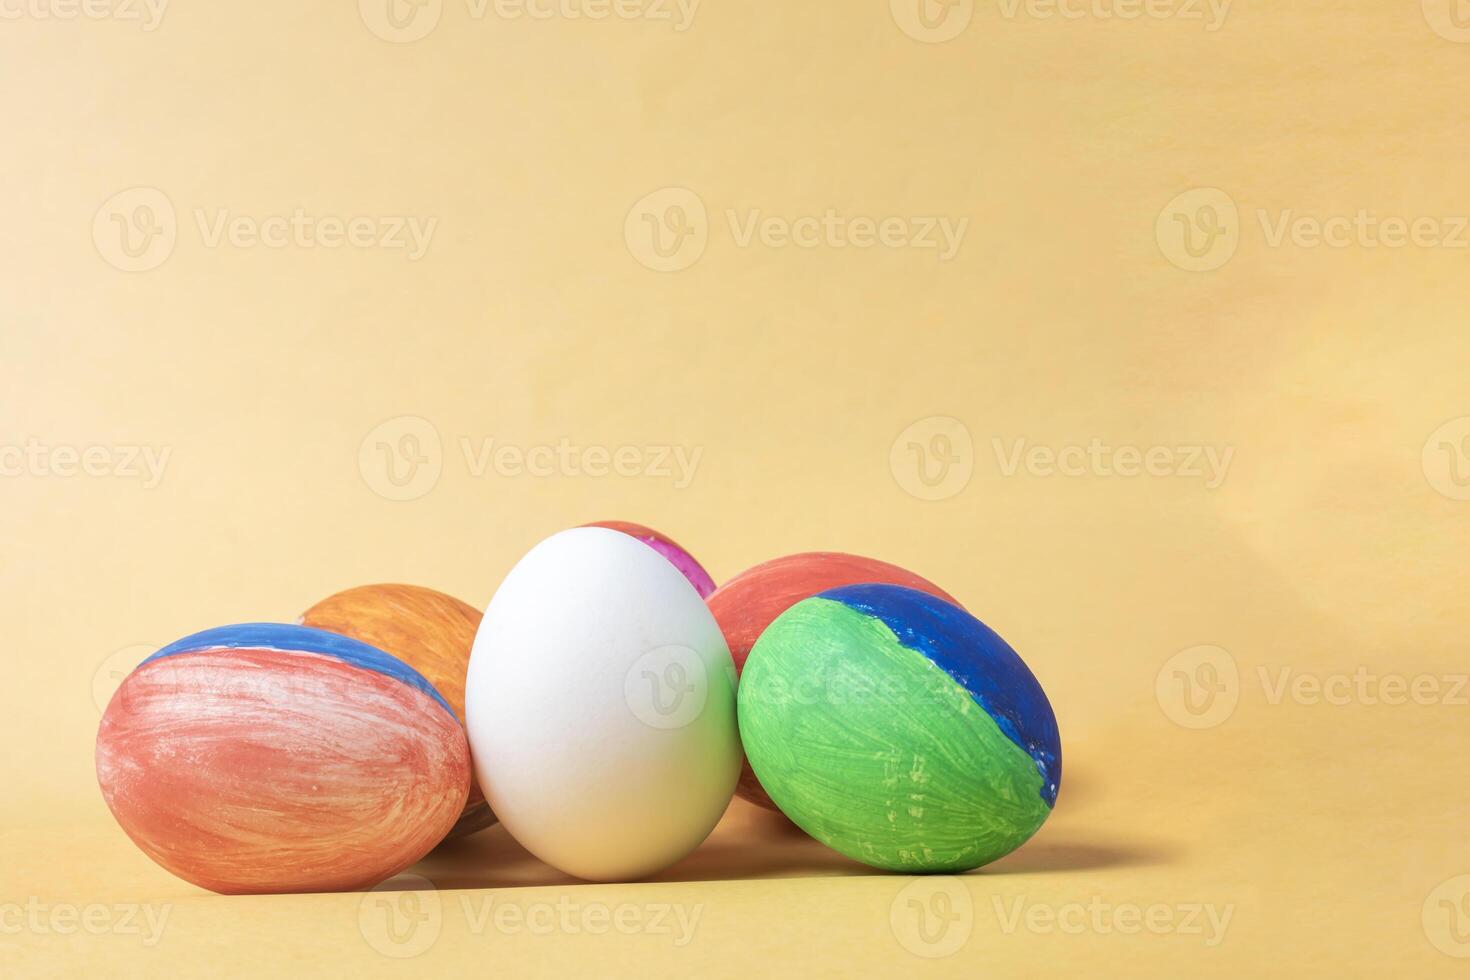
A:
x,y
301,639
670,549
979,661
749,602
281,759
877,750
428,630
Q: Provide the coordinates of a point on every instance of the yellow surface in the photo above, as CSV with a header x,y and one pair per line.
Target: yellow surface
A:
x,y
1332,835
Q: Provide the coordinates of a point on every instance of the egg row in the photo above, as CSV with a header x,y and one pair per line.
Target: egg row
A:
x,y
593,711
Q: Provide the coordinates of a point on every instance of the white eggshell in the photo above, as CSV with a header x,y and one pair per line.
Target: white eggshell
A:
x,y
600,705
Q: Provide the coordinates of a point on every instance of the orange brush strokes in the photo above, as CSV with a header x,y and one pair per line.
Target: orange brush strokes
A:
x,y
428,630
261,771
751,601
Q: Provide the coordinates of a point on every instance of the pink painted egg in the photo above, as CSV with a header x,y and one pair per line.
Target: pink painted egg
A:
x,y
670,549
267,758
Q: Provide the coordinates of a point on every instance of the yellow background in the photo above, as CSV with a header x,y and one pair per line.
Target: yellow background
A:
x,y
1334,544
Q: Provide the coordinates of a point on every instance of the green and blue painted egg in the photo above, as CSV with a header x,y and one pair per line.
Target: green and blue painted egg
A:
x,y
900,730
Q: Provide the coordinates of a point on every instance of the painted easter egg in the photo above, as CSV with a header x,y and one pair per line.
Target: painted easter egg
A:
x,y
601,703
267,758
749,602
670,549
428,630
899,730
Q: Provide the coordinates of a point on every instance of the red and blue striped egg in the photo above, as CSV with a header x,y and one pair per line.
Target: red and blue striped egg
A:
x,y
268,758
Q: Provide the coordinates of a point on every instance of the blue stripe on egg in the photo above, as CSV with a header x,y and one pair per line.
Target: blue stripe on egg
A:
x,y
977,659
302,639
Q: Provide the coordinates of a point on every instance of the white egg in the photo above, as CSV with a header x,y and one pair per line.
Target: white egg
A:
x,y
601,707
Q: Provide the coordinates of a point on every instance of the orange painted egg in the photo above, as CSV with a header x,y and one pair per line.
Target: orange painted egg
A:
x,y
428,630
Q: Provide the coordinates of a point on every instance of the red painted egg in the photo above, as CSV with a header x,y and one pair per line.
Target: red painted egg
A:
x,y
751,601
267,758
429,631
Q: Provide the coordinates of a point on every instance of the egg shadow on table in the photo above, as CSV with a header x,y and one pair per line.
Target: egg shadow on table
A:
x,y
749,843
1078,790
753,842
1045,856
488,859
